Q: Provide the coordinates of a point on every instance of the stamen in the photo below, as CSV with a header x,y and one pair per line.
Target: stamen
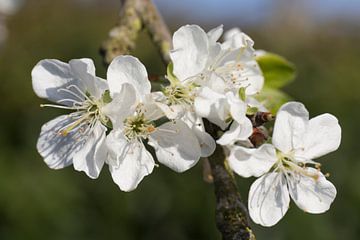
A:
x,y
58,106
68,128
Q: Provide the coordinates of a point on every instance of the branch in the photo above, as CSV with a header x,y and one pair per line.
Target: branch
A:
x,y
136,15
231,213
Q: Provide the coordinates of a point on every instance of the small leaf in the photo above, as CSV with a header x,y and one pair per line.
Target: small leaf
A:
x,y
242,94
170,73
106,97
272,99
251,110
277,71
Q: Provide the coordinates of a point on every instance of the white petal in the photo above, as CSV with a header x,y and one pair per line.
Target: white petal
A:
x,y
268,199
122,105
56,149
136,164
252,102
231,33
207,143
91,157
84,70
323,136
236,39
290,124
128,69
117,146
151,110
50,75
213,106
231,135
215,33
248,162
176,146
237,107
214,82
190,53
312,194
173,111
236,132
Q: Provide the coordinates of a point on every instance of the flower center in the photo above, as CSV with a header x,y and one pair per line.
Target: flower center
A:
x,y
179,94
87,111
234,74
287,163
138,127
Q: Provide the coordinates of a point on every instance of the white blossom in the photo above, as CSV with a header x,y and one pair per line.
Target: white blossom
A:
x,y
134,113
287,168
79,137
227,66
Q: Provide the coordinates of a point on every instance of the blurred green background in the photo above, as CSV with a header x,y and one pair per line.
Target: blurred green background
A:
x,y
321,38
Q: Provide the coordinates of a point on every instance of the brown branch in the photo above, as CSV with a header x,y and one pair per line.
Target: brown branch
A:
x,y
136,15
231,213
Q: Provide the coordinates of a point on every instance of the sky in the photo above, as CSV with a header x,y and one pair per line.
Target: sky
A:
x,y
254,11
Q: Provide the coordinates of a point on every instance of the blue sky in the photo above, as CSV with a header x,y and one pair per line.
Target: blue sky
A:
x,y
253,11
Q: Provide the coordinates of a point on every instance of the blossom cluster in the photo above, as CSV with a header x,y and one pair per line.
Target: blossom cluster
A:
x,y
120,121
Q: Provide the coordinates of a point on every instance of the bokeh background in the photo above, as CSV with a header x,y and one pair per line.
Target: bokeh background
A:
x,y
321,37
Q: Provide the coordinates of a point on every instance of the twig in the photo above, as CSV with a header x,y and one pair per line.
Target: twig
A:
x,y
136,15
231,213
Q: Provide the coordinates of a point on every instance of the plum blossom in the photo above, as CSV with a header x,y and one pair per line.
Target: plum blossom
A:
x,y
286,168
135,117
198,58
77,138
213,73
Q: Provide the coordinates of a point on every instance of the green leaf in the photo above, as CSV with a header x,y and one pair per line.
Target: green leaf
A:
x,y
170,73
106,97
242,93
272,99
277,71
251,110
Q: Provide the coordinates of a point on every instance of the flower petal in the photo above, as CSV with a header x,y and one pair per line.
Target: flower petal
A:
x,y
190,53
290,125
91,157
176,146
57,149
122,105
173,111
235,39
128,69
84,70
268,199
117,146
136,163
323,136
215,33
207,143
50,75
236,132
213,106
248,162
312,194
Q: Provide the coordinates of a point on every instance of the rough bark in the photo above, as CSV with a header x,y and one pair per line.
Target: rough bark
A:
x,y
136,15
231,213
